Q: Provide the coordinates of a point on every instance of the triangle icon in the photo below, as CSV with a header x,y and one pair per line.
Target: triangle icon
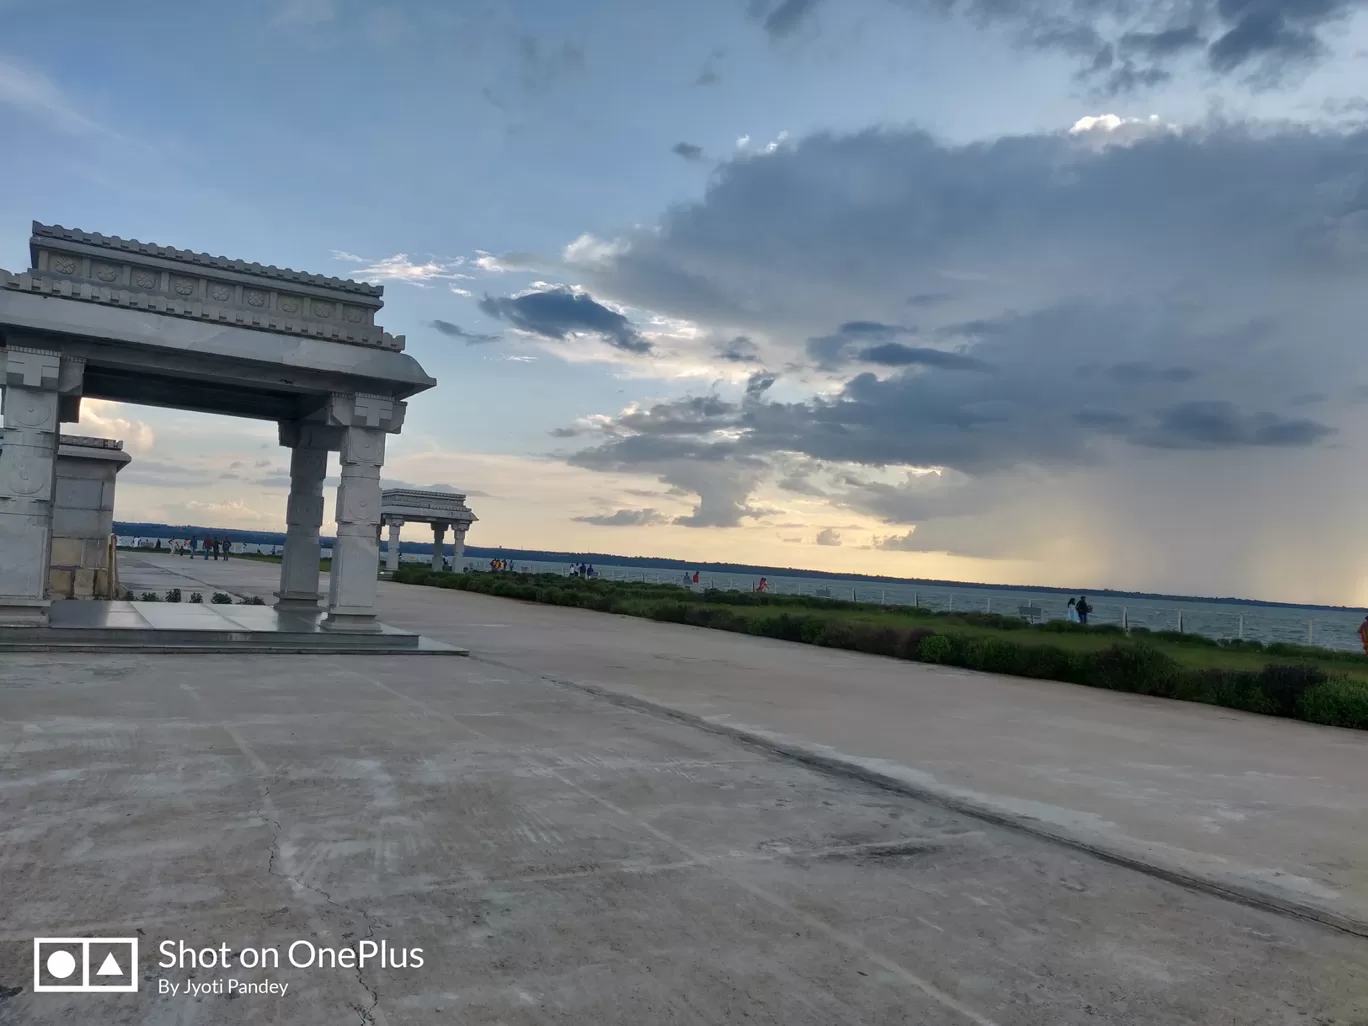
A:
x,y
109,967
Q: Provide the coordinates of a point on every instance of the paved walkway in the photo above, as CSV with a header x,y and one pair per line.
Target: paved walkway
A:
x,y
559,860
1274,806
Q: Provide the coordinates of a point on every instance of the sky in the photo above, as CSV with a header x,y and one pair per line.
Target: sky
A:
x,y
1053,292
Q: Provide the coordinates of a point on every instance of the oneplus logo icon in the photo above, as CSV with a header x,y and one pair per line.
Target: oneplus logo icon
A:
x,y
85,965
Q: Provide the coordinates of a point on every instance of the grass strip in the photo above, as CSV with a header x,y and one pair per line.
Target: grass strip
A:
x,y
1299,682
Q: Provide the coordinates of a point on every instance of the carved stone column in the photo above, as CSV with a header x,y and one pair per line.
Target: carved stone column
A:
x,y
392,550
34,380
364,421
458,547
438,542
299,570
356,555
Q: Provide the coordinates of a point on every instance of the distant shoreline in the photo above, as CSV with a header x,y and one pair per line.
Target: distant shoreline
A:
x,y
144,530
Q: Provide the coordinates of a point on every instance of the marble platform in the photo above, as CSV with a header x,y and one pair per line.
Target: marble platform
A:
x,y
194,627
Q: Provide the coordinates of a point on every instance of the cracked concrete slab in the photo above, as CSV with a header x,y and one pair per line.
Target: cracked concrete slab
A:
x,y
560,859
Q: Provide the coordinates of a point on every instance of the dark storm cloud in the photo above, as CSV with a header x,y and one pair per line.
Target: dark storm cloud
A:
x,y
1165,43
1142,40
470,338
739,350
1136,292
895,354
1216,424
688,151
626,518
560,312
759,383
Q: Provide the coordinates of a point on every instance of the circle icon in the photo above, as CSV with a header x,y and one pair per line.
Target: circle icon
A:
x,y
61,964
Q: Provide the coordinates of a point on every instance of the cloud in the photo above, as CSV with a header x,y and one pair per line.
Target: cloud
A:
x,y
784,19
400,268
111,420
559,313
828,536
29,91
738,350
625,518
1089,316
708,74
470,338
688,151
897,542
1123,45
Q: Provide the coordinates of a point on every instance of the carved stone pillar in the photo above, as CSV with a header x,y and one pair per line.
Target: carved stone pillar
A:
x,y
299,570
392,549
34,380
458,546
438,542
356,554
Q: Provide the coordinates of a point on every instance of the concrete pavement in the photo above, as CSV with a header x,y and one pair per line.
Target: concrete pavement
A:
x,y
1255,804
559,859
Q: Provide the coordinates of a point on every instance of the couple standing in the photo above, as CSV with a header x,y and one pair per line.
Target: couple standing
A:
x,y
1078,610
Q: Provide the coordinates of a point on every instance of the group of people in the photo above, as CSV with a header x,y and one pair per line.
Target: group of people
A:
x,y
500,564
583,570
211,547
1078,610
690,578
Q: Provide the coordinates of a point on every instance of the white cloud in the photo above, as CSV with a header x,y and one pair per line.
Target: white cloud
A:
x,y
400,268
31,92
110,420
1102,130
588,251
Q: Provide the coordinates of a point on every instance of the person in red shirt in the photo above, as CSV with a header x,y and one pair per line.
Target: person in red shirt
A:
x,y
1363,634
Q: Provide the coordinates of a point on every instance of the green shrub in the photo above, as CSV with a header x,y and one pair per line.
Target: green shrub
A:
x,y
1285,686
1337,702
1135,667
196,597
912,641
174,595
150,596
935,649
221,598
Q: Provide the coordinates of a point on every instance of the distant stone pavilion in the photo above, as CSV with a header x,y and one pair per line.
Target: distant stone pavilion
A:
x,y
442,510
117,319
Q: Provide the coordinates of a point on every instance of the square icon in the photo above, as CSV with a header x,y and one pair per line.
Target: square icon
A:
x,y
85,965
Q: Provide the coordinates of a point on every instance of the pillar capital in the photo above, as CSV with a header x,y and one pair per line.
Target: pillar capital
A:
x,y
364,410
306,434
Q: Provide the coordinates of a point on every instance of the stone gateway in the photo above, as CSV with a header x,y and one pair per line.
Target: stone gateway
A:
x,y
117,319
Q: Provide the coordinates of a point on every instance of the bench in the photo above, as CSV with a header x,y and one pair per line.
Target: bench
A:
x,y
1031,614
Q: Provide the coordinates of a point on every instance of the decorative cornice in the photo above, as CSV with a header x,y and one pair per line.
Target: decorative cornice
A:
x,y
91,442
56,231
264,320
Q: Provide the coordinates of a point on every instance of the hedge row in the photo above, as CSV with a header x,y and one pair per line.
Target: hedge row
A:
x,y
1295,690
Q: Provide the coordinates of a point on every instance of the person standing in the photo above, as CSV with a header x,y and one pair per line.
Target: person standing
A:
x,y
1071,613
1083,609
1363,634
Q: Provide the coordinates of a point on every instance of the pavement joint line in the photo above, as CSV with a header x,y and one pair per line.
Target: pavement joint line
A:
x,y
1251,897
371,1015
847,940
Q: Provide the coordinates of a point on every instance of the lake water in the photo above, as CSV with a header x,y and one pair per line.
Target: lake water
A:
x,y
1330,628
